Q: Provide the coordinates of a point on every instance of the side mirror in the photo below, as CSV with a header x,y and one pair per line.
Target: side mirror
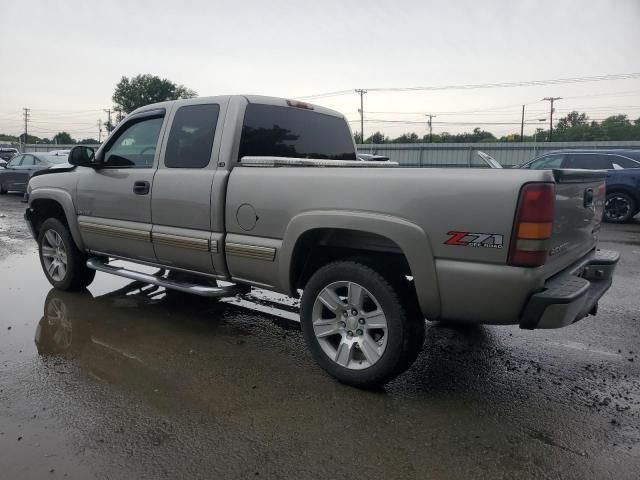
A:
x,y
83,157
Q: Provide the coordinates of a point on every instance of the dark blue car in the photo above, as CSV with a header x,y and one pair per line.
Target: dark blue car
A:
x,y
623,180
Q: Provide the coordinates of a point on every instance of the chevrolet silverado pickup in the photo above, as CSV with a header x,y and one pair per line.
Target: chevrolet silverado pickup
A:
x,y
264,192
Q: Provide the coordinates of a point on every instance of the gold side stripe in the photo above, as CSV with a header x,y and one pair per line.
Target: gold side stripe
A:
x,y
251,251
119,232
201,244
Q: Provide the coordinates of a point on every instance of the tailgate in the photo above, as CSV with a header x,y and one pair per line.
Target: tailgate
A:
x,y
579,206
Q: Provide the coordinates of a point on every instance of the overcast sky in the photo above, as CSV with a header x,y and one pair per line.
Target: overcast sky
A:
x,y
63,59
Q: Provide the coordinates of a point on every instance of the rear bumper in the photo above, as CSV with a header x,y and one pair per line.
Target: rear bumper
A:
x,y
573,293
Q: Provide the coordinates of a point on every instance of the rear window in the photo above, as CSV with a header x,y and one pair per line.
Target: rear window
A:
x,y
623,162
274,131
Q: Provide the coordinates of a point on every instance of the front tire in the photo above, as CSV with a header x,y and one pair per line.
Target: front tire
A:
x,y
3,191
363,328
619,208
63,264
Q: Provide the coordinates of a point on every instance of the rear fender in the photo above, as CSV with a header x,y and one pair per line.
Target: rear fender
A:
x,y
411,239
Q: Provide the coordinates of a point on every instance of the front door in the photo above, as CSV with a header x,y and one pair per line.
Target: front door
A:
x,y
114,201
10,173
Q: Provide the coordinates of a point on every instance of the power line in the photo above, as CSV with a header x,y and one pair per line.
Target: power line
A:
x,y
527,83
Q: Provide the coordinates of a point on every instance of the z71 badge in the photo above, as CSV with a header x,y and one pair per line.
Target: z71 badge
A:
x,y
472,239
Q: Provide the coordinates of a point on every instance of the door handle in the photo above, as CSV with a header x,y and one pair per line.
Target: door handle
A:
x,y
141,188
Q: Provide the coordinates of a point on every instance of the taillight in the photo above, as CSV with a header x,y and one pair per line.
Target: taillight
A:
x,y
533,225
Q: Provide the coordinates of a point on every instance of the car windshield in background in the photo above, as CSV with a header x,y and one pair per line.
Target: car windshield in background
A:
x,y
57,159
274,131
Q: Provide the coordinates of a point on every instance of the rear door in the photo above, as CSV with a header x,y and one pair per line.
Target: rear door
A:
x,y
589,161
22,172
114,202
183,189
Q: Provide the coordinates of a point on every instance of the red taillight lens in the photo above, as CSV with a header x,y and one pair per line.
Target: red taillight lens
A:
x,y
533,225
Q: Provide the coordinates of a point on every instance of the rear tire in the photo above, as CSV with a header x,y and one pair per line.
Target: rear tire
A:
x,y
63,264
363,328
619,208
3,191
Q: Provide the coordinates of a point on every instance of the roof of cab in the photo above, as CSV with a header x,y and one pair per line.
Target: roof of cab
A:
x,y
259,99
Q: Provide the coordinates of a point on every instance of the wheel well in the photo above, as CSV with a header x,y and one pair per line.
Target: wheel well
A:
x,y
44,209
318,247
626,191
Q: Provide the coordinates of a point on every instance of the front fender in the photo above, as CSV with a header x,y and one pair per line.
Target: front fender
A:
x,y
411,239
65,200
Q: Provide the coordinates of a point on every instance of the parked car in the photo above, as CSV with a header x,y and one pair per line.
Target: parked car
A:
x,y
16,173
623,179
267,192
485,161
60,152
368,157
7,153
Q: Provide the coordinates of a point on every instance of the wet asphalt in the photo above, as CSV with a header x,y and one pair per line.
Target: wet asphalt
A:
x,y
126,381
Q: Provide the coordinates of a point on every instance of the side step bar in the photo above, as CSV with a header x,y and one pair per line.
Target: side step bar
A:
x,y
187,287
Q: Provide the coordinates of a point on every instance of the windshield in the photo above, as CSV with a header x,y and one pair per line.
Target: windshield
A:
x,y
57,159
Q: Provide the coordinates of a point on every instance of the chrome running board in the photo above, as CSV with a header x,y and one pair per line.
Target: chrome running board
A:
x,y
203,290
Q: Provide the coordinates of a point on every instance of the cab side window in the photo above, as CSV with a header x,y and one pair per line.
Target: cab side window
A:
x,y
547,162
191,137
135,147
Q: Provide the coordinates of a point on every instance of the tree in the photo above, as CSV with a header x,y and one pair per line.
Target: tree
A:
x,y
135,92
89,141
30,139
573,119
63,138
377,137
8,138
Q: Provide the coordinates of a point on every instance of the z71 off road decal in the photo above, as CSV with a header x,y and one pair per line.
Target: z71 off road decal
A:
x,y
472,239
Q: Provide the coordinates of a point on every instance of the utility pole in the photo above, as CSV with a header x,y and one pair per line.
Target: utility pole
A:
x,y
100,130
430,116
109,124
361,92
26,124
551,100
522,126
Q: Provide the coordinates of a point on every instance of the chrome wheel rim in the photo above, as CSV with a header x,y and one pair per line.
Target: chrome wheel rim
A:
x,y
54,255
349,325
616,208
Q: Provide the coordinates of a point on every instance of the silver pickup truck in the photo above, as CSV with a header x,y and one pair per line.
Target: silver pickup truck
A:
x,y
265,192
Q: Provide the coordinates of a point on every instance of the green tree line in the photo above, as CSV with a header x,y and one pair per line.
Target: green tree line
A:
x,y
575,127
